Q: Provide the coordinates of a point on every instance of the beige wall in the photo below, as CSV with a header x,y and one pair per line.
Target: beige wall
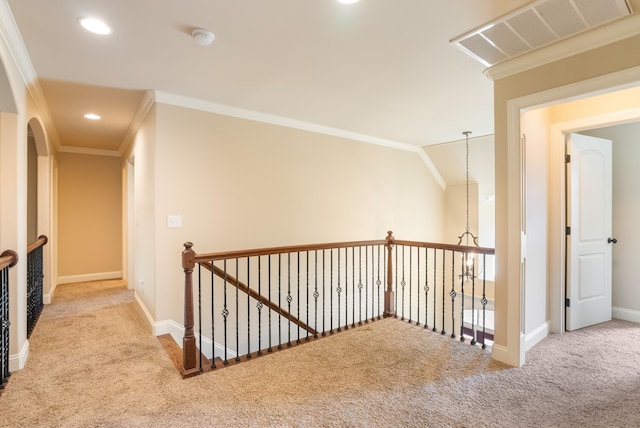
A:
x,y
592,64
244,184
89,216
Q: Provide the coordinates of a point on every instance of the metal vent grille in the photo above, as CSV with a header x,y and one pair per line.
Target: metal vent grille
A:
x,y
538,24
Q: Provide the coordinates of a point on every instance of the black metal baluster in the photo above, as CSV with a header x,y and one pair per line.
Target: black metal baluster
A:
x,y
279,300
307,294
360,285
403,283
298,293
289,298
464,269
452,293
484,300
444,256
237,312
259,305
331,294
339,290
346,288
248,309
213,323
270,349
200,315
410,282
435,286
378,283
384,275
426,288
473,305
316,294
4,327
397,267
225,314
353,287
418,287
366,283
324,294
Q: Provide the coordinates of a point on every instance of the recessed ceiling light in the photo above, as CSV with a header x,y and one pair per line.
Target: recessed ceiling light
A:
x,y
95,26
92,116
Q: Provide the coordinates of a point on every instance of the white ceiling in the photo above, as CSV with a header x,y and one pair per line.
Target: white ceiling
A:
x,y
380,68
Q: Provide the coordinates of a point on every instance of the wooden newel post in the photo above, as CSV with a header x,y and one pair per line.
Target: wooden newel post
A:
x,y
189,349
389,308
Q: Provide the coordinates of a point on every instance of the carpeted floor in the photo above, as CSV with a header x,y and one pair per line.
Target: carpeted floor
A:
x,y
94,364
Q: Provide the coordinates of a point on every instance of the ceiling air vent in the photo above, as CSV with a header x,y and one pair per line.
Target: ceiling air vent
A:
x,y
538,24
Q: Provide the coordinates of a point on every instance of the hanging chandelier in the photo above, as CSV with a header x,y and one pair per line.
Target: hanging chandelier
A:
x,y
467,235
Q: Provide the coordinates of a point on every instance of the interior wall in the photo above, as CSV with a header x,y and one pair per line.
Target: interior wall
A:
x,y
455,207
90,217
240,184
626,211
522,90
32,190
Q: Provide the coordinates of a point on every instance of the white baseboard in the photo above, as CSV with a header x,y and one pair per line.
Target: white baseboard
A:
x,y
100,276
177,332
625,314
533,338
17,361
46,298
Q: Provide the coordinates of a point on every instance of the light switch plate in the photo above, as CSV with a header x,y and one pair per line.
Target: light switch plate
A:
x,y
174,221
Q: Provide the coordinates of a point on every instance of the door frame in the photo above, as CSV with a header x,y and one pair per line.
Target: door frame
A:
x,y
514,352
557,220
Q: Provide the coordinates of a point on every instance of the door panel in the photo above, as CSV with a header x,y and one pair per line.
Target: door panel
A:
x,y
589,206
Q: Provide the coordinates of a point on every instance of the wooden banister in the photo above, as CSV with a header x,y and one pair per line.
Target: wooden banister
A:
x,y
189,351
42,240
8,258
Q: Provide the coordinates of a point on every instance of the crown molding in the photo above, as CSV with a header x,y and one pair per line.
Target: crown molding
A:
x,y
88,151
197,104
601,36
12,39
141,113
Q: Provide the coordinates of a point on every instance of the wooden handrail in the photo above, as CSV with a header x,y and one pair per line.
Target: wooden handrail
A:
x,y
283,250
451,247
247,290
42,240
8,258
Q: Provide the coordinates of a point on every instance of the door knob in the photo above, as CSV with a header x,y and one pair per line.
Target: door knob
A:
x,y
612,241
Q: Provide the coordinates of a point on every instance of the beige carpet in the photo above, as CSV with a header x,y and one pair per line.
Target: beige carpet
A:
x,y
94,364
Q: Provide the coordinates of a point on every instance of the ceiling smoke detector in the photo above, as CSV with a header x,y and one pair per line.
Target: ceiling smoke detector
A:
x,y
202,37
538,24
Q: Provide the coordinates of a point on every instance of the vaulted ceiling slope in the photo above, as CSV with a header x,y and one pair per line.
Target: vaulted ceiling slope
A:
x,y
382,70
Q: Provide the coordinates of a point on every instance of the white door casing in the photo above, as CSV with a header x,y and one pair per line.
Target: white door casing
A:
x,y
589,216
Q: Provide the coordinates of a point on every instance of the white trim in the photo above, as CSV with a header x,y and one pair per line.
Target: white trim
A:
x,y
89,151
100,276
18,361
625,314
136,123
210,107
611,33
533,338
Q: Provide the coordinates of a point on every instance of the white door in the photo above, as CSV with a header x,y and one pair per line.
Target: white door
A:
x,y
589,207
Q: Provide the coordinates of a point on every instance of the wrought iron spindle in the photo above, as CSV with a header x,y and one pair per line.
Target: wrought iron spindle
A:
x,y
444,257
225,314
396,282
324,293
435,286
418,287
4,326
339,290
473,306
410,282
307,254
360,286
298,293
331,293
248,309
453,294
353,287
403,283
213,322
279,300
484,301
270,349
462,281
289,298
237,313
34,288
259,305
378,283
426,288
316,294
200,315
346,288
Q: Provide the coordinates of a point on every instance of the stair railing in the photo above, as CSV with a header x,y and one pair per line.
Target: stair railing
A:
x,y
269,299
8,259
35,276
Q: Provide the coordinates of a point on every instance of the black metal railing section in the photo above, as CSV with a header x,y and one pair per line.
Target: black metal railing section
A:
x,y
8,259
35,277
254,302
